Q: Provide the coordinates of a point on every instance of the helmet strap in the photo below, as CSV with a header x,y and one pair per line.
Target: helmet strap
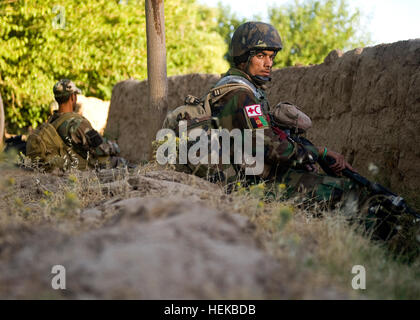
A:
x,y
260,80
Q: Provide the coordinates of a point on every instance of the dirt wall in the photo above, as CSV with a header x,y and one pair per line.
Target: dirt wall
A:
x,y
364,103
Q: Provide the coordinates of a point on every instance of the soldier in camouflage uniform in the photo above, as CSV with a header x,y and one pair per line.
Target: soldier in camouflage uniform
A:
x,y
89,148
253,48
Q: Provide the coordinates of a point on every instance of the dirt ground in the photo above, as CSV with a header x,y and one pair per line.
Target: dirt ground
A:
x,y
154,234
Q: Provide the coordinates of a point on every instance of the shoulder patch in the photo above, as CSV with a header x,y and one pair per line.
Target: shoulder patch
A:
x,y
253,110
255,117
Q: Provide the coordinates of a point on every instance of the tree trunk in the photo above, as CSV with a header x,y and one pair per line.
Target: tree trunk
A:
x,y
1,123
156,65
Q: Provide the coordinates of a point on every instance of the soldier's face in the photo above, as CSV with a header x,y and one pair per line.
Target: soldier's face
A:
x,y
261,64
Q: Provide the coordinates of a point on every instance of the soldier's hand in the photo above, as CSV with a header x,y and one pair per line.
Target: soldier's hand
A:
x,y
311,168
340,163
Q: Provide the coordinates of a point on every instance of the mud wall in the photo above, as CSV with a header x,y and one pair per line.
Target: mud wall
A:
x,y
364,103
129,117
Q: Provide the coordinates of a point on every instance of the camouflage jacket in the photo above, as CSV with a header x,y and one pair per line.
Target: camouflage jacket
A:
x,y
244,109
78,134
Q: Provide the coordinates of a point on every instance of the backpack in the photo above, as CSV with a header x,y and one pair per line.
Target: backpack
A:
x,y
289,116
47,149
197,113
195,108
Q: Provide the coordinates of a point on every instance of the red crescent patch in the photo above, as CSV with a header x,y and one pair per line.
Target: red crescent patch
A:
x,y
253,110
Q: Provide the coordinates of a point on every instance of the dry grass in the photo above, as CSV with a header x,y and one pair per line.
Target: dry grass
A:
x,y
328,246
319,248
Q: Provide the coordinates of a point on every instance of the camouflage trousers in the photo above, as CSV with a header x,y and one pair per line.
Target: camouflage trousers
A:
x,y
313,187
319,191
357,201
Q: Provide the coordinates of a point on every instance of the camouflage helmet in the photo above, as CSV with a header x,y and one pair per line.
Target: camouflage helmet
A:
x,y
254,35
64,88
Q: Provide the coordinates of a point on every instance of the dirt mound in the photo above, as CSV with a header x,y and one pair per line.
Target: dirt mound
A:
x,y
164,235
364,103
154,250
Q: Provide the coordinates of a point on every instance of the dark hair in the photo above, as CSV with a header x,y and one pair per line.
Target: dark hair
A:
x,y
63,99
241,59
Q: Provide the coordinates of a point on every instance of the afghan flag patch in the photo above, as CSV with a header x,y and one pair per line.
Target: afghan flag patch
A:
x,y
259,122
263,121
256,117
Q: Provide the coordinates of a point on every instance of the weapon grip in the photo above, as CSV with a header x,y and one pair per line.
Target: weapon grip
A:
x,y
325,165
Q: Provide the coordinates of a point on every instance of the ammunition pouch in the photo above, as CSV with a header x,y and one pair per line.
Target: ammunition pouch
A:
x,y
94,139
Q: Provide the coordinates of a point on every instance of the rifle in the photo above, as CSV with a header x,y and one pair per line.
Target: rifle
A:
x,y
392,201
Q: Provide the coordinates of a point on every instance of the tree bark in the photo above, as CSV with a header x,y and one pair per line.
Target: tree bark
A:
x,y
1,123
156,65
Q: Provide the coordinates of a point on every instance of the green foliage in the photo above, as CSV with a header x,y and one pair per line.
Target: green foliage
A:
x,y
227,22
192,43
100,43
310,29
